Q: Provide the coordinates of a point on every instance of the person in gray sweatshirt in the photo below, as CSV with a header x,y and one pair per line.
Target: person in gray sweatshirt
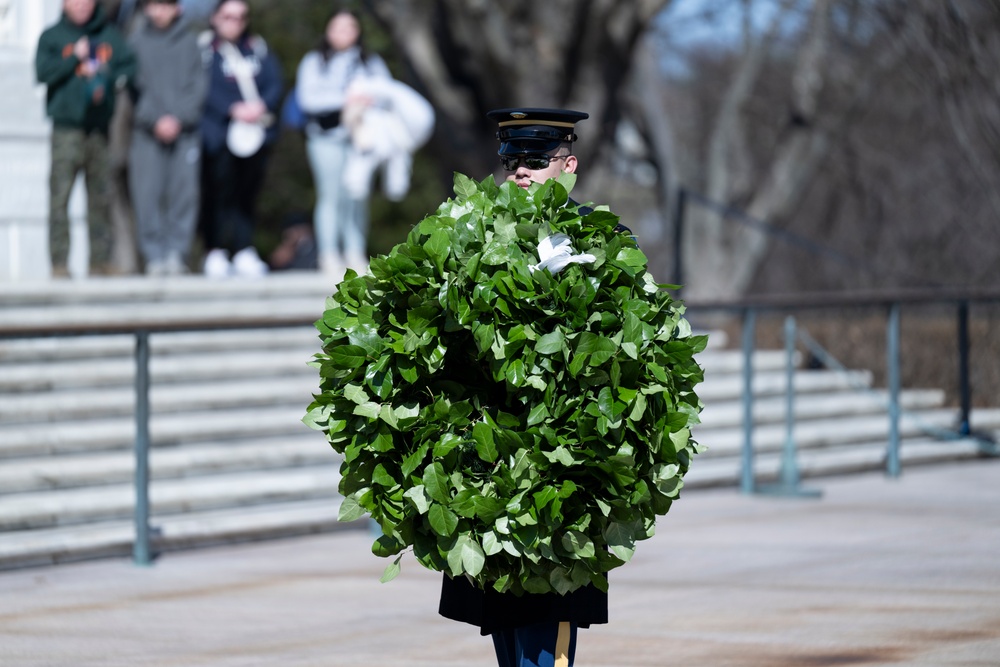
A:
x,y
165,155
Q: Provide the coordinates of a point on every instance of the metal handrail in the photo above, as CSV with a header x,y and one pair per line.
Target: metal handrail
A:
x,y
749,308
892,301
141,328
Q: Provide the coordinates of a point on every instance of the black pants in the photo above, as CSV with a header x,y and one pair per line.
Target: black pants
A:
x,y
229,189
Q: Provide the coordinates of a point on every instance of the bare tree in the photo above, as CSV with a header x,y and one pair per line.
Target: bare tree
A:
x,y
470,56
826,91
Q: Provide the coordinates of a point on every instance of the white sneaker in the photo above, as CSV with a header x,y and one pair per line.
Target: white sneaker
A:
x,y
331,264
175,265
156,268
248,264
357,261
217,264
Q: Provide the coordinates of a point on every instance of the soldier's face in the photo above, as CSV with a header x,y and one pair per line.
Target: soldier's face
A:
x,y
79,11
558,164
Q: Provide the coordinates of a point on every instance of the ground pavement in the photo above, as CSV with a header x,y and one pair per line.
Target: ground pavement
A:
x,y
876,572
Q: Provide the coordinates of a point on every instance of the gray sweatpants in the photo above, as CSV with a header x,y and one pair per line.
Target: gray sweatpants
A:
x,y
164,180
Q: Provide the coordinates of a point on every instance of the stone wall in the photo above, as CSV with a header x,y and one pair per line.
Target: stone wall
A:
x,y
24,148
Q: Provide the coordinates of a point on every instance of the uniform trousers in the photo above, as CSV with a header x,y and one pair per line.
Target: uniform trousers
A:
x,y
540,645
75,151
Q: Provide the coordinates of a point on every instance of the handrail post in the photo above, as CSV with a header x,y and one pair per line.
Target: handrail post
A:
x,y
679,210
789,466
749,326
892,459
788,482
140,548
964,384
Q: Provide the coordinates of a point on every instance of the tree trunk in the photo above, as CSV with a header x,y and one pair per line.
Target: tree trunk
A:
x,y
471,57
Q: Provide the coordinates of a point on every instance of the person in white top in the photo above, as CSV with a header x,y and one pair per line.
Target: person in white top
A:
x,y
322,82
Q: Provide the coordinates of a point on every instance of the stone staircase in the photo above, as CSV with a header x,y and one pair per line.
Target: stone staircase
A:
x,y
231,460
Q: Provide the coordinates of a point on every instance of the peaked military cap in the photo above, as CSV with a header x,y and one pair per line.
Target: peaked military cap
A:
x,y
527,131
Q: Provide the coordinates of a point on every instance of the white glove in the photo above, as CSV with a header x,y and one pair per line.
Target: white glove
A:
x,y
555,253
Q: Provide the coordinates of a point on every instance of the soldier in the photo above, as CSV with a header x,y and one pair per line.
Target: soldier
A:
x,y
83,60
531,630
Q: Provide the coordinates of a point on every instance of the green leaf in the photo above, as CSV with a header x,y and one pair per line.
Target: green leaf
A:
x,y
436,482
561,581
347,356
492,543
482,433
350,510
370,410
551,343
418,497
413,461
465,186
466,557
442,520
355,394
391,571
621,540
382,477
578,544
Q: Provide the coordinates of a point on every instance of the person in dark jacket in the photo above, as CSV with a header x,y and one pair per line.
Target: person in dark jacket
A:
x,y
165,154
83,61
238,127
531,630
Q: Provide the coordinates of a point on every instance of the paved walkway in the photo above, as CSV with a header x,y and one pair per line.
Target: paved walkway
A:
x,y
877,572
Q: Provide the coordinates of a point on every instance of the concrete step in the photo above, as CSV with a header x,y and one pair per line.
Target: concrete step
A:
x,y
727,362
65,507
121,293
838,432
50,546
728,387
213,458
37,440
234,363
69,404
860,457
24,350
843,405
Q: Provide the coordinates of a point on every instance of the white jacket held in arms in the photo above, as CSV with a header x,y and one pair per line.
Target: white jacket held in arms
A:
x,y
388,122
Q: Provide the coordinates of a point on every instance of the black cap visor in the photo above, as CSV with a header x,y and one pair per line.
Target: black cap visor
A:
x,y
527,147
532,139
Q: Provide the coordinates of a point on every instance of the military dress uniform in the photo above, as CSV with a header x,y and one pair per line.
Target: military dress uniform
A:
x,y
530,630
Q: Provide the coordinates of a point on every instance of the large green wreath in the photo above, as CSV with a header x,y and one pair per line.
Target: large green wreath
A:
x,y
519,428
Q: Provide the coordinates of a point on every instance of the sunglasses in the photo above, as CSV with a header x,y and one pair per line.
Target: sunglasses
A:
x,y
532,162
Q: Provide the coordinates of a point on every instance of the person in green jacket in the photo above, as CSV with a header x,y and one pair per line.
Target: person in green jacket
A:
x,y
82,59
